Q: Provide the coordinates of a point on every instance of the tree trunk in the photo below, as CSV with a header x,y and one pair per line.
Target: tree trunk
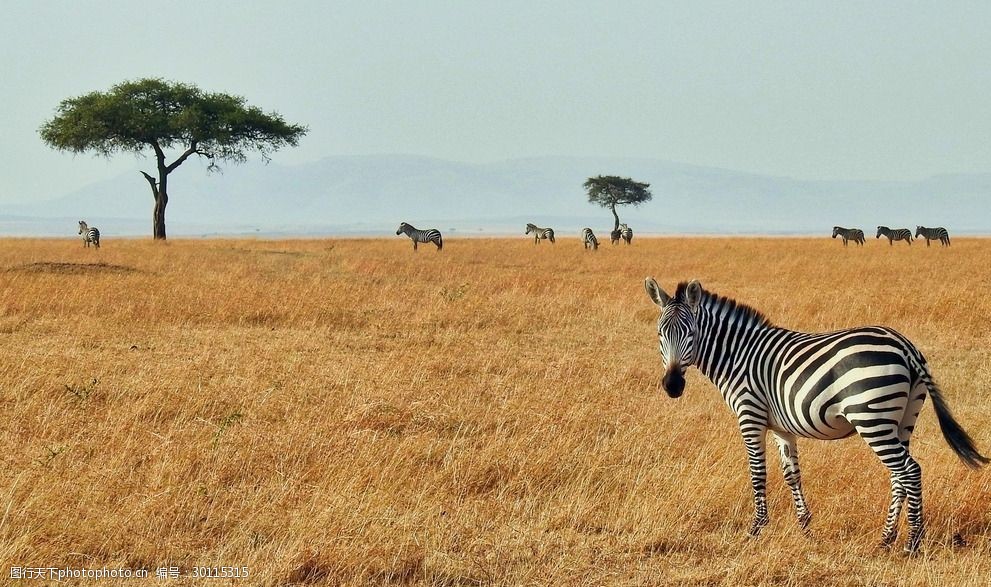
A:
x,y
616,217
158,216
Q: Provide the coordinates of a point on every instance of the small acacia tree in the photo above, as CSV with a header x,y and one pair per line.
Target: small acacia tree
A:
x,y
610,191
159,115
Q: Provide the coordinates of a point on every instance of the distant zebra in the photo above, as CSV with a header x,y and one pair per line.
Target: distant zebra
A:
x,y
896,234
431,235
615,235
589,240
91,234
540,233
626,232
854,234
932,234
827,386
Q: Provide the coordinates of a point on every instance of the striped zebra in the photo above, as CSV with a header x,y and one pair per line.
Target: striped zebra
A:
x,y
91,234
615,235
871,381
589,240
853,234
540,233
431,235
626,232
896,234
932,234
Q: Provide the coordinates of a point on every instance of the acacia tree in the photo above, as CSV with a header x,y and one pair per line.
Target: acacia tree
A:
x,y
159,115
610,191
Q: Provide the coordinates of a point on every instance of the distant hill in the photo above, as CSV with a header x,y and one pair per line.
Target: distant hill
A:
x,y
372,194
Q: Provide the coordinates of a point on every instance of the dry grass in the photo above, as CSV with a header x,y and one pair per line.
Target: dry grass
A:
x,y
349,412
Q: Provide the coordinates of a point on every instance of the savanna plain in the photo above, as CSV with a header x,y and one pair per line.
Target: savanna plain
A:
x,y
351,412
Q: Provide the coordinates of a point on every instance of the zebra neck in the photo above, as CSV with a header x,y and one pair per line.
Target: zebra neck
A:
x,y
725,330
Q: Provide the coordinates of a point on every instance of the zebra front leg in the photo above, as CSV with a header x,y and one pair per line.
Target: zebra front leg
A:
x,y
754,438
788,451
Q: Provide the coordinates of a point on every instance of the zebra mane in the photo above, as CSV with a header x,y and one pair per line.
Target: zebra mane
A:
x,y
731,306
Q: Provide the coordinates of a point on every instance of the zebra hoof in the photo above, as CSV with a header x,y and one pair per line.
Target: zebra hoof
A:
x,y
757,525
913,544
887,540
804,521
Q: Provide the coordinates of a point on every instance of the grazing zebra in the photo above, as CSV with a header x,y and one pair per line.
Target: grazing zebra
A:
x,y
431,235
615,235
853,234
932,234
91,234
540,233
896,234
589,240
869,380
626,232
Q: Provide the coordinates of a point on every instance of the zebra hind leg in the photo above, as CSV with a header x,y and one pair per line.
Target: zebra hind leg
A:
x,y
788,451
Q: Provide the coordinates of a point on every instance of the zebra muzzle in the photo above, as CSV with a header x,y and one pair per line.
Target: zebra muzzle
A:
x,y
673,382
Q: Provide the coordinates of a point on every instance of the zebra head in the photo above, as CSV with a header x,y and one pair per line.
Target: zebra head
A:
x,y
402,228
918,231
836,231
531,228
676,331
881,230
83,227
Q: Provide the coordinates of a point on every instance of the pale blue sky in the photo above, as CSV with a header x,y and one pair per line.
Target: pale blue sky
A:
x,y
825,90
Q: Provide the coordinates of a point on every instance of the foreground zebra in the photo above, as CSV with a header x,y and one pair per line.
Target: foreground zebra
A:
x,y
91,234
869,380
895,234
431,235
852,234
932,234
540,233
589,240
626,232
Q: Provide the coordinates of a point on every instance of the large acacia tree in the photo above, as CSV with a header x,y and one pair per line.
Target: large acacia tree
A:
x,y
162,116
610,191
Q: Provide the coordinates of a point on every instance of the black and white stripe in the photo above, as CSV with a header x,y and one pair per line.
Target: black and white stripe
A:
x,y
626,232
91,234
615,235
933,234
871,381
589,240
540,233
430,235
849,234
895,234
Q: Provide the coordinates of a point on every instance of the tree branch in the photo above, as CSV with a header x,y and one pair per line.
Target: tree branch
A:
x,y
192,149
153,184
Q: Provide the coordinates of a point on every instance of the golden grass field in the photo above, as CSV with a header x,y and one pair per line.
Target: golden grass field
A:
x,y
352,412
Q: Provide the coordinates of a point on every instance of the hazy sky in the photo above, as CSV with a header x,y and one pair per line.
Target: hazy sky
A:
x,y
857,90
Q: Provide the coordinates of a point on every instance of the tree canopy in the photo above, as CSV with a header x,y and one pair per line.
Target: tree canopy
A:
x,y
160,115
610,191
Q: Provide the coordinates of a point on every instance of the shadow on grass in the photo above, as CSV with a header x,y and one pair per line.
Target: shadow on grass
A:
x,y
71,268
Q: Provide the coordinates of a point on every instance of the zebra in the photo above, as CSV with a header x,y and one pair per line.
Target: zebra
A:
x,y
431,235
540,233
589,240
626,232
897,234
827,386
854,234
91,234
615,235
932,234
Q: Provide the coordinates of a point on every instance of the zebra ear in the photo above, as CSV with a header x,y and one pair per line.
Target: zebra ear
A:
x,y
693,294
655,292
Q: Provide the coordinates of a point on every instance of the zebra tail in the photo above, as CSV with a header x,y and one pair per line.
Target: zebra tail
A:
x,y
955,435
440,242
